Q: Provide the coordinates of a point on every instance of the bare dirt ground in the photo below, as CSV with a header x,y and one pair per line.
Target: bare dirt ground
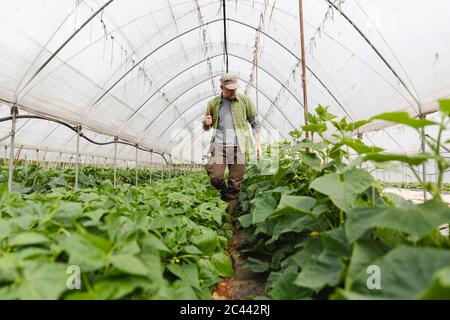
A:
x,y
245,284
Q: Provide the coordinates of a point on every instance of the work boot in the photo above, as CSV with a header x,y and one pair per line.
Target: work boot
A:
x,y
231,209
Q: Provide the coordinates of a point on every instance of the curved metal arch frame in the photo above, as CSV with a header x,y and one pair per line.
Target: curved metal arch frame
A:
x,y
208,97
190,107
377,52
196,85
357,30
65,43
75,129
211,22
126,24
198,126
199,63
262,124
329,3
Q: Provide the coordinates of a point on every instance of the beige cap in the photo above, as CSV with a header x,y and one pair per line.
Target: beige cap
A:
x,y
229,80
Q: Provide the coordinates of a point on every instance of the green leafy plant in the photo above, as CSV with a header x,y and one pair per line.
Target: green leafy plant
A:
x,y
36,178
150,242
316,224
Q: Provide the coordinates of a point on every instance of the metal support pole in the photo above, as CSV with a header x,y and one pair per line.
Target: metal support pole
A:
x,y
115,160
224,10
302,45
151,164
257,73
37,156
360,137
14,112
77,161
136,168
423,149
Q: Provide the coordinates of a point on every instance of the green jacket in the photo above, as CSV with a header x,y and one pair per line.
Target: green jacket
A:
x,y
241,109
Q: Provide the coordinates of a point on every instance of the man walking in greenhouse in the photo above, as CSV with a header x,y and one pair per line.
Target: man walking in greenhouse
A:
x,y
229,115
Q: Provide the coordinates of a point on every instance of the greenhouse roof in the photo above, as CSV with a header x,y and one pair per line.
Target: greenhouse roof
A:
x,y
143,70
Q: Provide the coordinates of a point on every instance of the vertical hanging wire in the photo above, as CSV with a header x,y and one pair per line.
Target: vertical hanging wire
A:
x,y
106,34
112,50
77,4
126,68
90,26
121,57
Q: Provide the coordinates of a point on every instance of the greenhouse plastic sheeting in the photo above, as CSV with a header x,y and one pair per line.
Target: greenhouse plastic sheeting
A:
x,y
143,70
40,140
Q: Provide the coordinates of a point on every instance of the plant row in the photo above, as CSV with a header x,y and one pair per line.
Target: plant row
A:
x,y
319,226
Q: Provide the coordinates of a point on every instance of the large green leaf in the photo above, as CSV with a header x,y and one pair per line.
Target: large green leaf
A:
x,y
68,211
364,252
256,265
245,220
413,160
108,289
207,241
129,264
440,288
28,238
291,223
83,253
311,159
222,264
404,118
343,189
42,281
417,221
301,203
262,209
188,273
444,106
405,272
153,242
327,268
359,146
282,286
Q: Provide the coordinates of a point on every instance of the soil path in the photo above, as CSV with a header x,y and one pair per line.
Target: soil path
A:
x,y
245,284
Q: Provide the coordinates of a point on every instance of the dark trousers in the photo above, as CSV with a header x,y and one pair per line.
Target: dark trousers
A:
x,y
221,158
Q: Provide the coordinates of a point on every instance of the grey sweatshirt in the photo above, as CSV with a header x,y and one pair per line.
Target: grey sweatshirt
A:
x,y
226,133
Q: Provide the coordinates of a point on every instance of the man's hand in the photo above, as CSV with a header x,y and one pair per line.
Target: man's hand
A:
x,y
258,151
207,121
